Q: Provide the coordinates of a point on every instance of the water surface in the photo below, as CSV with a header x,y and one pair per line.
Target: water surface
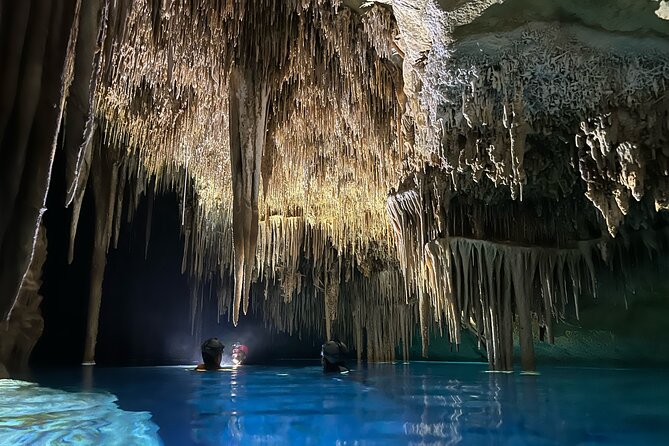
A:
x,y
417,403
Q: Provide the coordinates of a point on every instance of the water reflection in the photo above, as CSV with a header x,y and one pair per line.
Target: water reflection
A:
x,y
379,405
402,404
440,417
260,406
215,417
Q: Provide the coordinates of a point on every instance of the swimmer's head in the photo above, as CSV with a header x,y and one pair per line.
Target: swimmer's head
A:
x,y
212,353
333,352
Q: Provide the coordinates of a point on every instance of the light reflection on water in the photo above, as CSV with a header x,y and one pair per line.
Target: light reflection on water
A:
x,y
418,403
34,415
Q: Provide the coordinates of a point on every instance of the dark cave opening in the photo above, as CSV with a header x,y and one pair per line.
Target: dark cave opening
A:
x,y
145,314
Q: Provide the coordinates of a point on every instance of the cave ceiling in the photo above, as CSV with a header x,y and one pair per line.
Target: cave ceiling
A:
x,y
363,155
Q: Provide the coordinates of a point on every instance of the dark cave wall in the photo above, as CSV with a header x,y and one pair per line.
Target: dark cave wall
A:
x,y
610,329
145,302
65,286
38,51
145,314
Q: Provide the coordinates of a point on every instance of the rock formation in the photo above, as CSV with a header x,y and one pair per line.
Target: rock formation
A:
x,y
352,168
20,332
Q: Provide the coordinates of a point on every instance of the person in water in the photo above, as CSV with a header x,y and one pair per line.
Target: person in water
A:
x,y
239,353
212,354
332,357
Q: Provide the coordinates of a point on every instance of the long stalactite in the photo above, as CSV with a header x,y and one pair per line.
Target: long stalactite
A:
x,y
291,126
362,169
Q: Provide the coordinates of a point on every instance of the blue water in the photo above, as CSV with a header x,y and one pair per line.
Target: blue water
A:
x,y
420,403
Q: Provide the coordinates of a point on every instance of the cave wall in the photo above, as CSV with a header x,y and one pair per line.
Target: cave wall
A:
x,y
21,331
38,40
625,324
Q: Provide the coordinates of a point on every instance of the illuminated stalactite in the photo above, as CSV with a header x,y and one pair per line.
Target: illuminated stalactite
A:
x,y
363,168
488,101
316,79
481,285
320,109
248,125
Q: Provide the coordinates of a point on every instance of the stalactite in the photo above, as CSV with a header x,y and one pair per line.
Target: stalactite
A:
x,y
308,77
248,122
485,100
105,182
500,274
618,159
385,147
149,219
80,122
120,195
78,200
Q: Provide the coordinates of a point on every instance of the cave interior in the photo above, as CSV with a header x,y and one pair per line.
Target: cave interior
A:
x,y
419,179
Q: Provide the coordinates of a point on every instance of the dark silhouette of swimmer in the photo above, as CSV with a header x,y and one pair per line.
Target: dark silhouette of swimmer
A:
x,y
212,353
332,357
